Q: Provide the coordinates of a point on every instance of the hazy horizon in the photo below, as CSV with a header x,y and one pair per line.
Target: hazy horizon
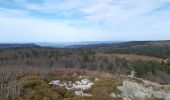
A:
x,y
63,42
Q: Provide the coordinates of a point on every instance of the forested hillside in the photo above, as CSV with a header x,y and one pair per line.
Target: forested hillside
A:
x,y
159,49
119,58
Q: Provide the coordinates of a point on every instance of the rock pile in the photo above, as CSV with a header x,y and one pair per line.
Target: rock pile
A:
x,y
81,85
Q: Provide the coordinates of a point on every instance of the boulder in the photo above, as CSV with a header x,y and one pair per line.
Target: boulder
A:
x,y
113,95
120,88
80,93
55,83
96,79
85,81
131,90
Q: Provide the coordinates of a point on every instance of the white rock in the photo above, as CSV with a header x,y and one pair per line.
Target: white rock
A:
x,y
82,85
85,81
78,82
120,88
80,93
80,77
96,79
55,83
87,94
113,95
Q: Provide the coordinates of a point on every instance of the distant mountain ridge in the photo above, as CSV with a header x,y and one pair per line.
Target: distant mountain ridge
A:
x,y
10,45
74,44
93,44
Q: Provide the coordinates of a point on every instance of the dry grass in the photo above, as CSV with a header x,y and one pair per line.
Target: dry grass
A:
x,y
103,87
35,85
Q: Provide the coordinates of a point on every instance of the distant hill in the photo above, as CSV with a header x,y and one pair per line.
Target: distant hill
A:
x,y
133,44
74,44
107,44
94,44
6,45
160,49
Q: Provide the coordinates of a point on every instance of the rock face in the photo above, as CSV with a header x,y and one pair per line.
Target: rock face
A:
x,y
131,90
135,91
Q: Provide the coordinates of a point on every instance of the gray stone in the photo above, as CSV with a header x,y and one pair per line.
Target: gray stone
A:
x,y
158,94
161,95
113,95
96,79
80,93
135,91
131,90
167,96
120,88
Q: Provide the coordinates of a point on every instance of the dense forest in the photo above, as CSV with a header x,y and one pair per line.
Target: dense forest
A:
x,y
94,57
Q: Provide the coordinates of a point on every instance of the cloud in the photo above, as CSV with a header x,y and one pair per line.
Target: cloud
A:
x,y
36,30
122,9
13,12
82,20
94,10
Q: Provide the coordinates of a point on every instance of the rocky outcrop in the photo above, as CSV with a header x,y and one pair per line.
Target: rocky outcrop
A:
x,y
135,91
81,85
131,90
161,94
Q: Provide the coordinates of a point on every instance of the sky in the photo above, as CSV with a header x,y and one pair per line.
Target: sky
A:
x,y
84,20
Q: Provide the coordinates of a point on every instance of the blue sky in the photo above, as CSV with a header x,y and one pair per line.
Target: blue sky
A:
x,y
84,20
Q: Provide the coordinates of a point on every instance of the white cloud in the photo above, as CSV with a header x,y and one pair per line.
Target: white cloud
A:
x,y
36,30
121,10
95,10
100,20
